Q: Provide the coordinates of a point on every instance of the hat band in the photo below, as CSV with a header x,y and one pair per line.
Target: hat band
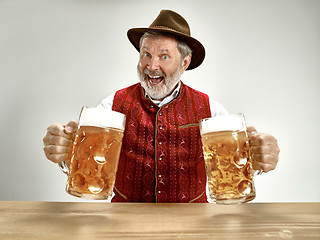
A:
x,y
166,28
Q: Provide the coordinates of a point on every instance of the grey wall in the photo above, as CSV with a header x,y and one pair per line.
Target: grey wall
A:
x,y
263,59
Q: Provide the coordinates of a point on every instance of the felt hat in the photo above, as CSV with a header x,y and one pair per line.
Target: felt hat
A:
x,y
171,22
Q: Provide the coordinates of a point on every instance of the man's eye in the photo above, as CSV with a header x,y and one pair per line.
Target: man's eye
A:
x,y
165,57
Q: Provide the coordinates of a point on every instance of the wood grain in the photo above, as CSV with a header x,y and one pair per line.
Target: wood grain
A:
x,y
57,220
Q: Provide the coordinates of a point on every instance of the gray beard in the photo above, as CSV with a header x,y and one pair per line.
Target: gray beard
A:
x,y
156,92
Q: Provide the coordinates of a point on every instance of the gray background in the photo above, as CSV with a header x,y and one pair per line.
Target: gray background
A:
x,y
263,59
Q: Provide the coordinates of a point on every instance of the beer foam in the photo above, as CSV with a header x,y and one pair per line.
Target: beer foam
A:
x,y
101,117
223,123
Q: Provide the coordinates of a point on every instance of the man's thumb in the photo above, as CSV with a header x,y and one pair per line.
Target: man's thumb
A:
x,y
251,131
71,127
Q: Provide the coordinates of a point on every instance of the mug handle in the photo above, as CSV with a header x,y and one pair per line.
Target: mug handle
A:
x,y
64,167
256,173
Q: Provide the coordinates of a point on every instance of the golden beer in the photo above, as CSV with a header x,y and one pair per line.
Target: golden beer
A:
x,y
94,154
229,169
94,162
230,177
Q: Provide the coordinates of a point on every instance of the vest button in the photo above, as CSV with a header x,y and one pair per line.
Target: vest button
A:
x,y
160,158
159,191
160,128
160,114
160,143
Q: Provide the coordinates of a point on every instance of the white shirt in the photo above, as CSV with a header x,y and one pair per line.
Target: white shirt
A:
x,y
215,107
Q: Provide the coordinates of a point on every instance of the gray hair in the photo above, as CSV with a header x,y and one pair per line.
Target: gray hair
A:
x,y
183,47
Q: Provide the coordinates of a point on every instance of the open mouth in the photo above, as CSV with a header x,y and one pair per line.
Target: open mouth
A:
x,y
154,80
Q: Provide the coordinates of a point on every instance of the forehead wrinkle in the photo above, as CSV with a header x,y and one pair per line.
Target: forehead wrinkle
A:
x,y
143,47
160,50
164,51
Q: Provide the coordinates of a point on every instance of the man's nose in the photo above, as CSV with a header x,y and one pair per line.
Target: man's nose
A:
x,y
154,64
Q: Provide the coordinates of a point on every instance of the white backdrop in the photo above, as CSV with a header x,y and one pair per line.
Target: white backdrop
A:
x,y
263,59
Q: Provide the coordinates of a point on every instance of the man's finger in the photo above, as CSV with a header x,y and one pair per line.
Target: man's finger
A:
x,y
251,130
54,149
56,158
56,140
263,139
57,130
265,167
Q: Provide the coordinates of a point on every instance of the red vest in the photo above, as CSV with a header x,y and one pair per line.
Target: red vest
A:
x,y
161,158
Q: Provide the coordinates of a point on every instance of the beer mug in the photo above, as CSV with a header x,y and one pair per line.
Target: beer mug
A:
x,y
94,154
230,177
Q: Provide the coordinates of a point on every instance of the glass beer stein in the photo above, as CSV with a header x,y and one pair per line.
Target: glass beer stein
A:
x,y
230,177
95,154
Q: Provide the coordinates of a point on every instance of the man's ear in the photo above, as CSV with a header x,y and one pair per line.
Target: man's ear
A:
x,y
186,62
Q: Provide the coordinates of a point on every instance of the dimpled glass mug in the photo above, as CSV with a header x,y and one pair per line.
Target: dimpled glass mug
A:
x,y
230,177
94,154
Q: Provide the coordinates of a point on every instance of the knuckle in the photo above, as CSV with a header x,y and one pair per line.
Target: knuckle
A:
x,y
46,153
46,138
55,129
47,150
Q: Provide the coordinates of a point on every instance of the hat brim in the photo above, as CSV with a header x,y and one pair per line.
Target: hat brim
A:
x,y
198,51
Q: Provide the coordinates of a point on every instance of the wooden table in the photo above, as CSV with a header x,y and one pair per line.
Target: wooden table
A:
x,y
66,221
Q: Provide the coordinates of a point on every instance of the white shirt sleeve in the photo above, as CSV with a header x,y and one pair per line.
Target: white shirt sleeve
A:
x,y
216,108
107,102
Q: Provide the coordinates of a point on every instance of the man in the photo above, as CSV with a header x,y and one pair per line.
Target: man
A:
x,y
161,158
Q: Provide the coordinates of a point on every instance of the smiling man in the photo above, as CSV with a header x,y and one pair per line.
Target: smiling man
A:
x,y
161,64
161,158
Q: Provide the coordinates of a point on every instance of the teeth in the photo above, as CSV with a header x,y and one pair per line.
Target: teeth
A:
x,y
154,76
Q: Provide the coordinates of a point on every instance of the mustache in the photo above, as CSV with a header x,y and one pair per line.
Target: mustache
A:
x,y
154,73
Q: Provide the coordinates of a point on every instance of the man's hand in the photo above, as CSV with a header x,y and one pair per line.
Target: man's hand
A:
x,y
264,150
58,140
